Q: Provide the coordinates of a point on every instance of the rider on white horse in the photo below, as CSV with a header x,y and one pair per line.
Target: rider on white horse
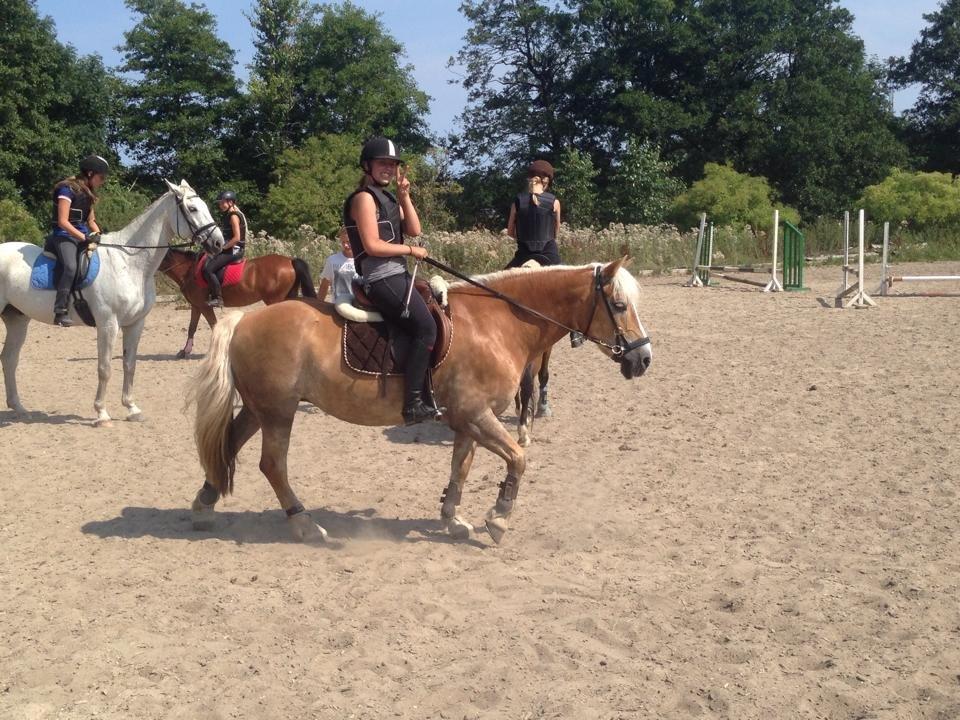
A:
x,y
74,224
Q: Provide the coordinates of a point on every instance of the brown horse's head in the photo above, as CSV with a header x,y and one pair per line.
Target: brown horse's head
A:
x,y
616,320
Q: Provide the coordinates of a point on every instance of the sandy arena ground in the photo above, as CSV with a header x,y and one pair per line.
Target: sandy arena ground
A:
x,y
765,526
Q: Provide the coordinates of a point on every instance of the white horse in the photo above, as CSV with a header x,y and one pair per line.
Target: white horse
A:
x,y
120,297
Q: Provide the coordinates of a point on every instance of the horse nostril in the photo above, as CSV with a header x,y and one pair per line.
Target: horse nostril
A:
x,y
645,361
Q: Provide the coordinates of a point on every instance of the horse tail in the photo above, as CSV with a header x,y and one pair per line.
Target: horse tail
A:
x,y
214,393
304,282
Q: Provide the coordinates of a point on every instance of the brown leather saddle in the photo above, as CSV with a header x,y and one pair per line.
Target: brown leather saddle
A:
x,y
367,347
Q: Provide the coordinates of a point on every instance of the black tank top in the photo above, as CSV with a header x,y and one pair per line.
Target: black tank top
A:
x,y
535,223
80,205
228,229
389,225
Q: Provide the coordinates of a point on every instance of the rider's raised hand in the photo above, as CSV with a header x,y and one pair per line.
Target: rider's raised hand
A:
x,y
403,182
417,251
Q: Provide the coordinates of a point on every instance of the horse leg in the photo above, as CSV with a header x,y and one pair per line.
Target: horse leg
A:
x,y
131,340
525,407
191,331
16,323
106,335
464,448
491,434
543,407
273,464
242,428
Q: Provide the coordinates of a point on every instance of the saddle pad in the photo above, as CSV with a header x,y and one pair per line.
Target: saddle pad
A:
x,y
232,273
42,274
367,347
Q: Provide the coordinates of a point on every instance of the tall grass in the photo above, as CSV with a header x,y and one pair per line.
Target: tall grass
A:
x,y
654,248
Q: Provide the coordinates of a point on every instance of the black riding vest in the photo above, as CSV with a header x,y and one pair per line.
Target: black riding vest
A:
x,y
388,223
80,206
535,223
228,230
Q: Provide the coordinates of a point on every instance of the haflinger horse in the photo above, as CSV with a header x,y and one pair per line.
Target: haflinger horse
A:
x,y
270,278
275,357
120,297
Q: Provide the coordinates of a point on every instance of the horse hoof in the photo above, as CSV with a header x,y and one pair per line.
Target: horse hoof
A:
x,y
459,529
525,441
203,516
305,530
136,417
497,527
101,423
544,411
181,355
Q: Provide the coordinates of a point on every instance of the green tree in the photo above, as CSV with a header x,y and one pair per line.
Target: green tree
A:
x,y
120,203
933,123
641,188
348,79
730,198
575,186
517,62
922,199
312,183
434,190
178,103
272,86
54,106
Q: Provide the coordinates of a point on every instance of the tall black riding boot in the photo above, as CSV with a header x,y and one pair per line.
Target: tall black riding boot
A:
x,y
61,308
414,409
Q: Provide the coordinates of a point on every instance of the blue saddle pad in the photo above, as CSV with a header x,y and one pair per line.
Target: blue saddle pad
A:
x,y
41,277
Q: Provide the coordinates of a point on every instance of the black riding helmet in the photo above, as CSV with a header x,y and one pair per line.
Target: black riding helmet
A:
x,y
227,195
94,164
378,148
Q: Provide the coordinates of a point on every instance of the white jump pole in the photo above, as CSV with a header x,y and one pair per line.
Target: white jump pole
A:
x,y
695,280
774,284
883,260
860,299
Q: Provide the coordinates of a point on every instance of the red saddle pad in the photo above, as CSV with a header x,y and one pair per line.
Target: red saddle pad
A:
x,y
231,273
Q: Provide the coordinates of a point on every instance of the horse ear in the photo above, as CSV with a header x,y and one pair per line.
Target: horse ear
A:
x,y
171,187
611,269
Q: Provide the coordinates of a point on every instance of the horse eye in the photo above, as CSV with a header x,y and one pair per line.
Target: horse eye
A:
x,y
620,306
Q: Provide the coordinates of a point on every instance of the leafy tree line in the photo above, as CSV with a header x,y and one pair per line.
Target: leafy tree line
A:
x,y
746,104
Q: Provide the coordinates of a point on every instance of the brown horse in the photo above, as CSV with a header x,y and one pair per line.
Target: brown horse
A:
x,y
270,278
278,356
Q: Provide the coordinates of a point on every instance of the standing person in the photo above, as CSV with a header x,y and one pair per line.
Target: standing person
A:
x,y
338,270
74,224
376,222
535,219
233,223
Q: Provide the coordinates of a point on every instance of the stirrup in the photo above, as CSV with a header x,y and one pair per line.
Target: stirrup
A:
x,y
215,302
62,319
420,412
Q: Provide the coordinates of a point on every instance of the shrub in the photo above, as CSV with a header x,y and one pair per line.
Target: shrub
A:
x,y
922,199
17,224
730,198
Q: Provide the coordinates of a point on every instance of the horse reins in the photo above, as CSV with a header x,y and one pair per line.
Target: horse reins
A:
x,y
195,232
622,347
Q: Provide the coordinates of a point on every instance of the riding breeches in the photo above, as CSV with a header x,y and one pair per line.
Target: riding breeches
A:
x,y
389,295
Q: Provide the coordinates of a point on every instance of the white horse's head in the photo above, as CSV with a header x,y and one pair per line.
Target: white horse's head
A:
x,y
190,218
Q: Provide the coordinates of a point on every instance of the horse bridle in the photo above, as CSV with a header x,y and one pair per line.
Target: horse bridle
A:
x,y
622,347
205,230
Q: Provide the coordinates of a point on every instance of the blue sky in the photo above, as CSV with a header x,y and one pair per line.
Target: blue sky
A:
x,y
432,31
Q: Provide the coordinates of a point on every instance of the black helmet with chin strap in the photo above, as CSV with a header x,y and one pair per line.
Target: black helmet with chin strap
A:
x,y
94,164
378,148
227,195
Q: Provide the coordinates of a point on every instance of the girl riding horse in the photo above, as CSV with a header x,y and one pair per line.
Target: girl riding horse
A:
x,y
74,223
